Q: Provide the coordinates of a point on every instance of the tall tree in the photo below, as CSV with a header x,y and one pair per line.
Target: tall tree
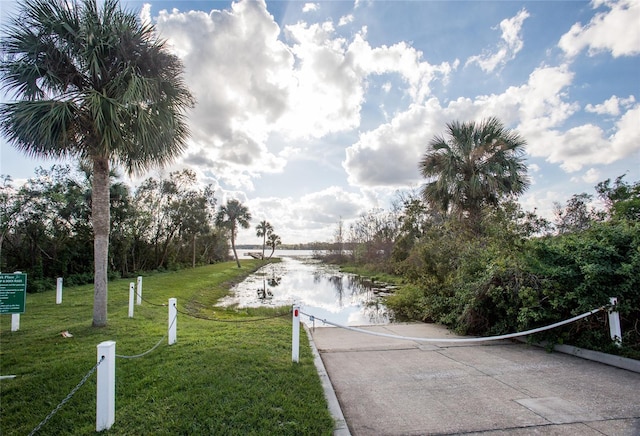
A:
x,y
230,216
474,166
263,230
97,84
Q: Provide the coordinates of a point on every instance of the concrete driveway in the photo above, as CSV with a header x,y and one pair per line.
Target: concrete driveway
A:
x,y
388,386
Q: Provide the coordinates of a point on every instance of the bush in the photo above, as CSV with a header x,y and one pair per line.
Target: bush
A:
x,y
501,282
40,285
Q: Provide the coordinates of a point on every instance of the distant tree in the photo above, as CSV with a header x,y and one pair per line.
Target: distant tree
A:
x,y
576,215
11,204
263,230
230,216
476,165
622,199
93,83
273,241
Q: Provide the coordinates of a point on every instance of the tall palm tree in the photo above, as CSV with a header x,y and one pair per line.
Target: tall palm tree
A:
x,y
475,166
273,242
96,84
263,230
230,216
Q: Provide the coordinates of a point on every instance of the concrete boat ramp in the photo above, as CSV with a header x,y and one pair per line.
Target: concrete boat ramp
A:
x,y
387,386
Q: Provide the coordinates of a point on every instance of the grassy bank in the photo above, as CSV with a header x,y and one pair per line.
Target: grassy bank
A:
x,y
232,377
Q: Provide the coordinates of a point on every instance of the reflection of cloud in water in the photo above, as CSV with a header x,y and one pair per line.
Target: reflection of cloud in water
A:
x,y
322,290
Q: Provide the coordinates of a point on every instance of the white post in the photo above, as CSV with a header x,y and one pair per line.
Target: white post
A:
x,y
15,322
173,320
295,337
59,290
614,322
106,386
131,293
139,300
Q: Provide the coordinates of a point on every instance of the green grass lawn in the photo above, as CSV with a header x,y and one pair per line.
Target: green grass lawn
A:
x,y
228,378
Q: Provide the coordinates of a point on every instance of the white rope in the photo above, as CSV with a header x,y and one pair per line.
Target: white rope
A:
x,y
459,340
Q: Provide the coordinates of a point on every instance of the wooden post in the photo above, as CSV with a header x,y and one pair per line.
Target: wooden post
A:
x,y
15,322
106,386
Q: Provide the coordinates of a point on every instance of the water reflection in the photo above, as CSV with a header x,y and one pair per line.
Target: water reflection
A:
x,y
322,291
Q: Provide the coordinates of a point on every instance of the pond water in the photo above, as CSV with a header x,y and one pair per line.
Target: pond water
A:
x,y
320,289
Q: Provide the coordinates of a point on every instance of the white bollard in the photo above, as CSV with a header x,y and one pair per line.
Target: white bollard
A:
x,y
131,293
59,290
614,322
173,320
106,386
15,322
295,337
139,299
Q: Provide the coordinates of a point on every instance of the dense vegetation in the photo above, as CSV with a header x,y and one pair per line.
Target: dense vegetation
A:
x,y
514,271
163,224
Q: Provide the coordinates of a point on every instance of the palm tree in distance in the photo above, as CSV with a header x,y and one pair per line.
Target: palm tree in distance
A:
x,y
230,216
273,241
92,83
475,166
264,230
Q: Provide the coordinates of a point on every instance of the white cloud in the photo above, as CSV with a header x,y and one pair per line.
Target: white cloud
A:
x,y
402,59
592,176
239,77
507,49
312,217
389,154
588,144
345,20
308,7
326,92
145,14
616,30
611,106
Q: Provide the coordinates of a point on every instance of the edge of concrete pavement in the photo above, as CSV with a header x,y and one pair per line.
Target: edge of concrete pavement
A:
x,y
340,424
596,356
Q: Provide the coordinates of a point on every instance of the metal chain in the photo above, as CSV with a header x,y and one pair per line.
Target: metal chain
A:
x,y
68,397
135,356
149,302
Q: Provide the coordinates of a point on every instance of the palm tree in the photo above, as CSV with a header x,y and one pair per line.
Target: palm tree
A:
x,y
263,230
230,216
97,85
476,165
273,242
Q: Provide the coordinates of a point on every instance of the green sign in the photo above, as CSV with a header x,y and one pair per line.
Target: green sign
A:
x,y
13,293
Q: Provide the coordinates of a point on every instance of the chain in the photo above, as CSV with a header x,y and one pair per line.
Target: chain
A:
x,y
67,398
149,302
152,348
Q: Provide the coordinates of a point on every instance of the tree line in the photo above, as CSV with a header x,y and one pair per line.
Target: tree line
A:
x,y
162,224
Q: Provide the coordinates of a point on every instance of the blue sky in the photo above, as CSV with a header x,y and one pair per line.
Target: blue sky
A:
x,y
312,112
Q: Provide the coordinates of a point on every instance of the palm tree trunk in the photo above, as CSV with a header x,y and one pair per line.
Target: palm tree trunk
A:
x,y
233,246
100,217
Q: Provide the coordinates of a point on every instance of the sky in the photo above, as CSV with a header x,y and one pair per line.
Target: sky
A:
x,y
312,113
